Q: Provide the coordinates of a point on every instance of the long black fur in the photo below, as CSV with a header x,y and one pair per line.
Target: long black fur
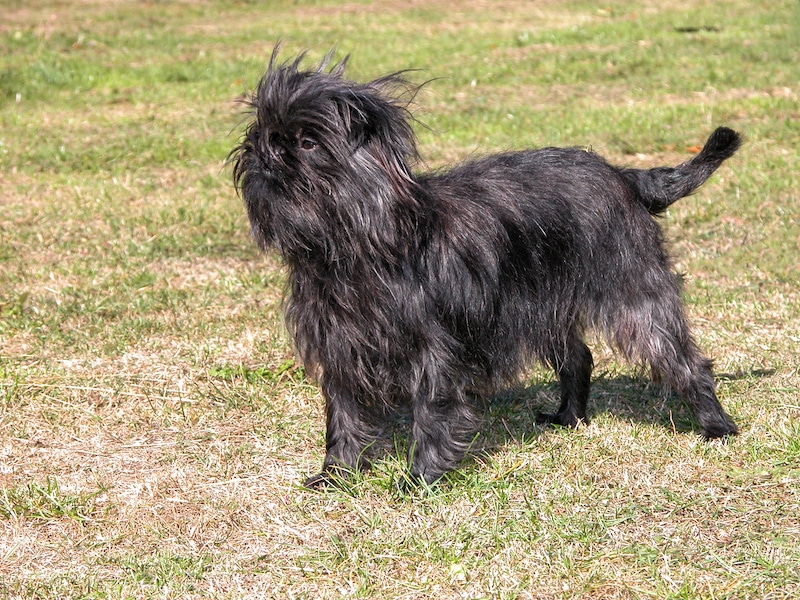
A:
x,y
427,292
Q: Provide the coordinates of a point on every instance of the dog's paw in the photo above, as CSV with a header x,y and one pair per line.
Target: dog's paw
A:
x,y
320,481
335,477
724,427
571,421
410,484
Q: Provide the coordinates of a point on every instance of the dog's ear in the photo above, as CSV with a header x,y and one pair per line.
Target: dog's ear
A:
x,y
381,131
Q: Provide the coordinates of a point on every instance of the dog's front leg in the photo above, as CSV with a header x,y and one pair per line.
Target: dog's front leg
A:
x,y
348,434
440,435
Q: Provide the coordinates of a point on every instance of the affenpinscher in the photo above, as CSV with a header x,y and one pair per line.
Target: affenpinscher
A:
x,y
427,292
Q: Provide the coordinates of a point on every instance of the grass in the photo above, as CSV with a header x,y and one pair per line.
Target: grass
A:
x,y
154,425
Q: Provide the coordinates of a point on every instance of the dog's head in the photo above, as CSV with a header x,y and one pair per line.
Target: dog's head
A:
x,y
316,139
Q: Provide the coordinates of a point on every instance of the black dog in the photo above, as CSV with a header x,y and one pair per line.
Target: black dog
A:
x,y
427,292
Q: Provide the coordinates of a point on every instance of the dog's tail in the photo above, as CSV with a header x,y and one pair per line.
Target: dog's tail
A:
x,y
657,188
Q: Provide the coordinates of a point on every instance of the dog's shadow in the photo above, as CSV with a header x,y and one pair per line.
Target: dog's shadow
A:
x,y
512,416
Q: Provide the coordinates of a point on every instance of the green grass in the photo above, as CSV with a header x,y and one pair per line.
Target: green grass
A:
x,y
154,423
44,503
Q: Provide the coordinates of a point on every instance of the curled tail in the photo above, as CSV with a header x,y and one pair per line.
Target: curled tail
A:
x,y
657,188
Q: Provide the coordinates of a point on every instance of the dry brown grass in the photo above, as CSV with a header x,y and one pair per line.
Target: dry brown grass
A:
x,y
153,426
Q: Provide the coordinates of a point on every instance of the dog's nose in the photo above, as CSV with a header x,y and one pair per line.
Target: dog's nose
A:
x,y
270,157
267,161
271,151
277,155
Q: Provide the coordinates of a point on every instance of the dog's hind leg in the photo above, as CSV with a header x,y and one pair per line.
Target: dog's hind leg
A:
x,y
691,377
572,362
655,329
678,362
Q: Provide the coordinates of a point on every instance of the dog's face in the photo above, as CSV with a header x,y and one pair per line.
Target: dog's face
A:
x,y
316,142
300,133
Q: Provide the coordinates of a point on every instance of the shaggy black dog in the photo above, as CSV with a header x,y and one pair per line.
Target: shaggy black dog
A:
x,y
426,292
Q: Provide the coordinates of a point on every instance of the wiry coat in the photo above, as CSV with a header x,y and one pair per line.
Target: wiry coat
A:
x,y
427,291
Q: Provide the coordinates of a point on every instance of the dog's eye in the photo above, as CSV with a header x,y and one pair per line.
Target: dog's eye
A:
x,y
307,144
